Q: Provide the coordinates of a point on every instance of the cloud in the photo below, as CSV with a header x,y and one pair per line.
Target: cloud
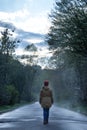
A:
x,y
23,19
25,23
21,14
36,40
37,24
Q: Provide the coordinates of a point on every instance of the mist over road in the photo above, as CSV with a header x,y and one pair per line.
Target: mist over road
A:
x,y
30,117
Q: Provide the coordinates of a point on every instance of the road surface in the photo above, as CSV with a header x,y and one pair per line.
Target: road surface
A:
x,y
30,117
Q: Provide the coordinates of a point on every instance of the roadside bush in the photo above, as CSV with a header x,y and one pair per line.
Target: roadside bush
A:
x,y
12,95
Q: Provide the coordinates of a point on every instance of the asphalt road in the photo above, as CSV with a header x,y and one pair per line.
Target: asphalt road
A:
x,y
30,117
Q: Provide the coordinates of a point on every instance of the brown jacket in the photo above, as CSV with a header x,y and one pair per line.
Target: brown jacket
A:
x,y
46,97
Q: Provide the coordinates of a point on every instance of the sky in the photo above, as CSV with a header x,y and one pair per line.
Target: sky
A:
x,y
28,16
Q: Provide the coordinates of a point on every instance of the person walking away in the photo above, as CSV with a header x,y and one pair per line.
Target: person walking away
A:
x,y
46,100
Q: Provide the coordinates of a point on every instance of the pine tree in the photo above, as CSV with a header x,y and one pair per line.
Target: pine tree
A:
x,y
68,37
69,26
7,43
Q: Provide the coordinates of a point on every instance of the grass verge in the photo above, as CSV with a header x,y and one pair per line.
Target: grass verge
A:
x,y
76,107
7,108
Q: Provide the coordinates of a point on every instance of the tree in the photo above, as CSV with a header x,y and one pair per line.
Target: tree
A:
x,y
69,26
12,95
31,57
7,43
68,38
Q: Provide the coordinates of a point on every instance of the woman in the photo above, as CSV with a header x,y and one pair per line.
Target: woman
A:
x,y
46,100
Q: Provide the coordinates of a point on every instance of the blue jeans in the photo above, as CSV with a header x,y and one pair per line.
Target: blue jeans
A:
x,y
46,114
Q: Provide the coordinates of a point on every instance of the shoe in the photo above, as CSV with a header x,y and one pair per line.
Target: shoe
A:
x,y
45,122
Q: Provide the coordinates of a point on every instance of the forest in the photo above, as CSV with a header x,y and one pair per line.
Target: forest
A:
x,y
67,68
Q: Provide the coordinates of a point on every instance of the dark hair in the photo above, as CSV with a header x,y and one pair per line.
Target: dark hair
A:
x,y
46,83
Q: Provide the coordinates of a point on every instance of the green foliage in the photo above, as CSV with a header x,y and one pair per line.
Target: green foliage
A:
x,y
68,40
7,45
15,74
69,26
31,47
13,94
15,78
32,56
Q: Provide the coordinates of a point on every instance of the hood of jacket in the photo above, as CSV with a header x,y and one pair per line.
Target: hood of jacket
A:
x,y
45,88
